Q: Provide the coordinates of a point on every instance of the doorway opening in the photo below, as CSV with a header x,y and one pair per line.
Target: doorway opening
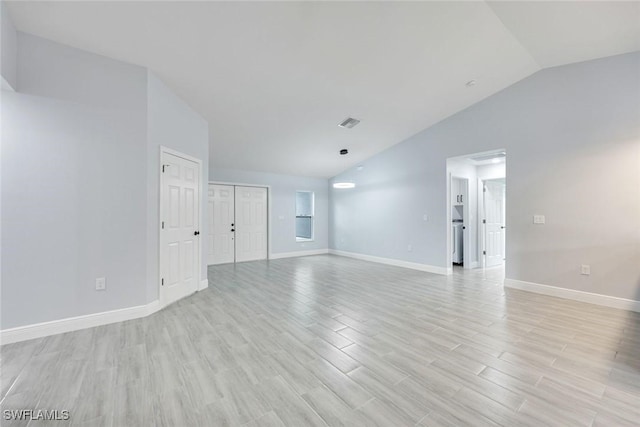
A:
x,y
238,223
476,209
459,212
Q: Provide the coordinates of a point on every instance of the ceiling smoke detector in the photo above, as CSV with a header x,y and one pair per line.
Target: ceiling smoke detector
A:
x,y
349,122
471,83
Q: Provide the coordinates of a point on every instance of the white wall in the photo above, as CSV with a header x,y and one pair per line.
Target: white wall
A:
x,y
572,137
8,46
172,124
493,171
283,206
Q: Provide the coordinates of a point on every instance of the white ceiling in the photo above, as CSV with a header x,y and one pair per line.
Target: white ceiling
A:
x,y
275,79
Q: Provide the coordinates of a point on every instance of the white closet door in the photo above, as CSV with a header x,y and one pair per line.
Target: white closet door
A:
x,y
251,223
221,206
180,228
494,199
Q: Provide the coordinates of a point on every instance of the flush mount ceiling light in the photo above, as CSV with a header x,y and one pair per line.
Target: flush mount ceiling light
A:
x,y
343,185
349,122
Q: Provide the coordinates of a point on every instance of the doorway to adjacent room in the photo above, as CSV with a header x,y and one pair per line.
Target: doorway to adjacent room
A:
x,y
476,210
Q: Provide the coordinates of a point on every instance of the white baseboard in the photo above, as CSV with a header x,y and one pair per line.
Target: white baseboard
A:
x,y
299,253
204,284
394,262
70,324
4,85
572,294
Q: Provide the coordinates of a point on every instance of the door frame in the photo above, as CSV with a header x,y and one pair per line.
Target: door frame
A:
x,y
167,150
243,184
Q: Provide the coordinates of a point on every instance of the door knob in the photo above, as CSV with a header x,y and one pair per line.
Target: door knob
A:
x,y
195,233
233,229
232,224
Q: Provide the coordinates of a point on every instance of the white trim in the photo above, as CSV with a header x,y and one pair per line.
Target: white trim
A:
x,y
299,253
70,324
164,149
167,150
6,86
396,262
204,284
572,294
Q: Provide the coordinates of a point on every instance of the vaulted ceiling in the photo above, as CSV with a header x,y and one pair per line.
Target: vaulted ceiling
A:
x,y
274,79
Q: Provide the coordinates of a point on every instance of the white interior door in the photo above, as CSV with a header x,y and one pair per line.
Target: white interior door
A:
x,y
180,228
221,213
251,223
494,207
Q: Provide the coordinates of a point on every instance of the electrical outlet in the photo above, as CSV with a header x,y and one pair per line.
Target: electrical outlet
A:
x,y
101,283
538,219
425,217
409,248
585,269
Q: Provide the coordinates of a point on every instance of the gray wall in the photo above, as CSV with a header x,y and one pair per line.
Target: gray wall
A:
x,y
80,179
54,70
172,124
572,136
283,206
8,46
73,209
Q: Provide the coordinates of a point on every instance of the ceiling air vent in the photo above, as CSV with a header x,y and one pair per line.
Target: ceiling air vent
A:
x,y
349,123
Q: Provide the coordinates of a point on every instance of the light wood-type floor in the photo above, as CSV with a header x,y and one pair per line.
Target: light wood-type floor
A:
x,y
329,340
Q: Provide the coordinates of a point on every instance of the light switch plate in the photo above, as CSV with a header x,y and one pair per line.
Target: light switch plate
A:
x,y
101,284
585,269
538,219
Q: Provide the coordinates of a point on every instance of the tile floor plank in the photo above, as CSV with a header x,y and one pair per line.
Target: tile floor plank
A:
x,y
325,340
